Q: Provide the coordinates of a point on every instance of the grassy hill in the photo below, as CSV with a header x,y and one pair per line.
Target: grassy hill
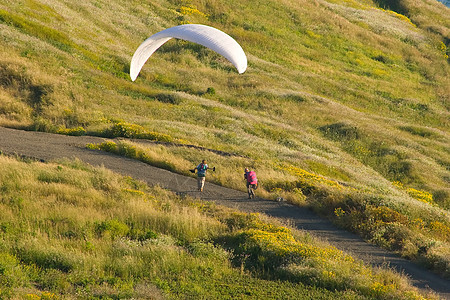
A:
x,y
344,106
70,231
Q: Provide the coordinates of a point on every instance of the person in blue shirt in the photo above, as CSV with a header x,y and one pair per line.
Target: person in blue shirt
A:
x,y
201,174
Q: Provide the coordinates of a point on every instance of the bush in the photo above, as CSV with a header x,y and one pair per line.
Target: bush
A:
x,y
113,228
12,274
210,91
41,124
440,230
142,235
108,147
169,98
128,130
339,131
77,131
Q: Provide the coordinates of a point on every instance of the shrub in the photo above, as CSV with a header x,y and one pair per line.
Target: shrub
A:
x,y
169,98
210,91
12,274
440,230
107,146
385,214
191,10
128,130
113,228
338,131
41,124
142,234
77,131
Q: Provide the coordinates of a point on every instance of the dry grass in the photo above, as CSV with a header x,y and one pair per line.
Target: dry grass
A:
x,y
312,65
68,230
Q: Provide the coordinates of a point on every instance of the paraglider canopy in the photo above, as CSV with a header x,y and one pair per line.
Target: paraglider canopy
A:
x,y
207,36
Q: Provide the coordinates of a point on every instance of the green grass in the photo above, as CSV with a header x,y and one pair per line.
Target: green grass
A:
x,y
354,93
399,218
71,230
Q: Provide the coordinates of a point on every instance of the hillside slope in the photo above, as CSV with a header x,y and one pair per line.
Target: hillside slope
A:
x,y
69,231
59,148
344,106
314,68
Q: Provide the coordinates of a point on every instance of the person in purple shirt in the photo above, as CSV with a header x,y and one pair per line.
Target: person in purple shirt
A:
x,y
252,182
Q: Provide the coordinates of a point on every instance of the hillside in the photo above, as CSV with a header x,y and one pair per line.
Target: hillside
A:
x,y
344,106
71,231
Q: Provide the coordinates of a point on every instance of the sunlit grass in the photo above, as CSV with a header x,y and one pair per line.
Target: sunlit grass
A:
x,y
387,215
68,229
339,96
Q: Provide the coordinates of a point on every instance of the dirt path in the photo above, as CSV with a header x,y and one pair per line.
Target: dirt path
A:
x,y
47,147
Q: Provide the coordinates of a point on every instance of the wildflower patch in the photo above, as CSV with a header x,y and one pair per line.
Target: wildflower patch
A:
x,y
77,131
416,194
191,10
311,180
262,247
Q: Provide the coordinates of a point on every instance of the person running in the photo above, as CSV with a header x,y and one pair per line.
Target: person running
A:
x,y
201,174
252,182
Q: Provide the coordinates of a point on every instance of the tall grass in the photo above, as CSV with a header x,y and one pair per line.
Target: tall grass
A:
x,y
317,71
396,217
68,230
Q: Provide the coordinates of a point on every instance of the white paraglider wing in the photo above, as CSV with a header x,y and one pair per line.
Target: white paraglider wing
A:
x,y
207,36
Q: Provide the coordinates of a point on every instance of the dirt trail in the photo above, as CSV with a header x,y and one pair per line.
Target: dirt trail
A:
x,y
45,146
